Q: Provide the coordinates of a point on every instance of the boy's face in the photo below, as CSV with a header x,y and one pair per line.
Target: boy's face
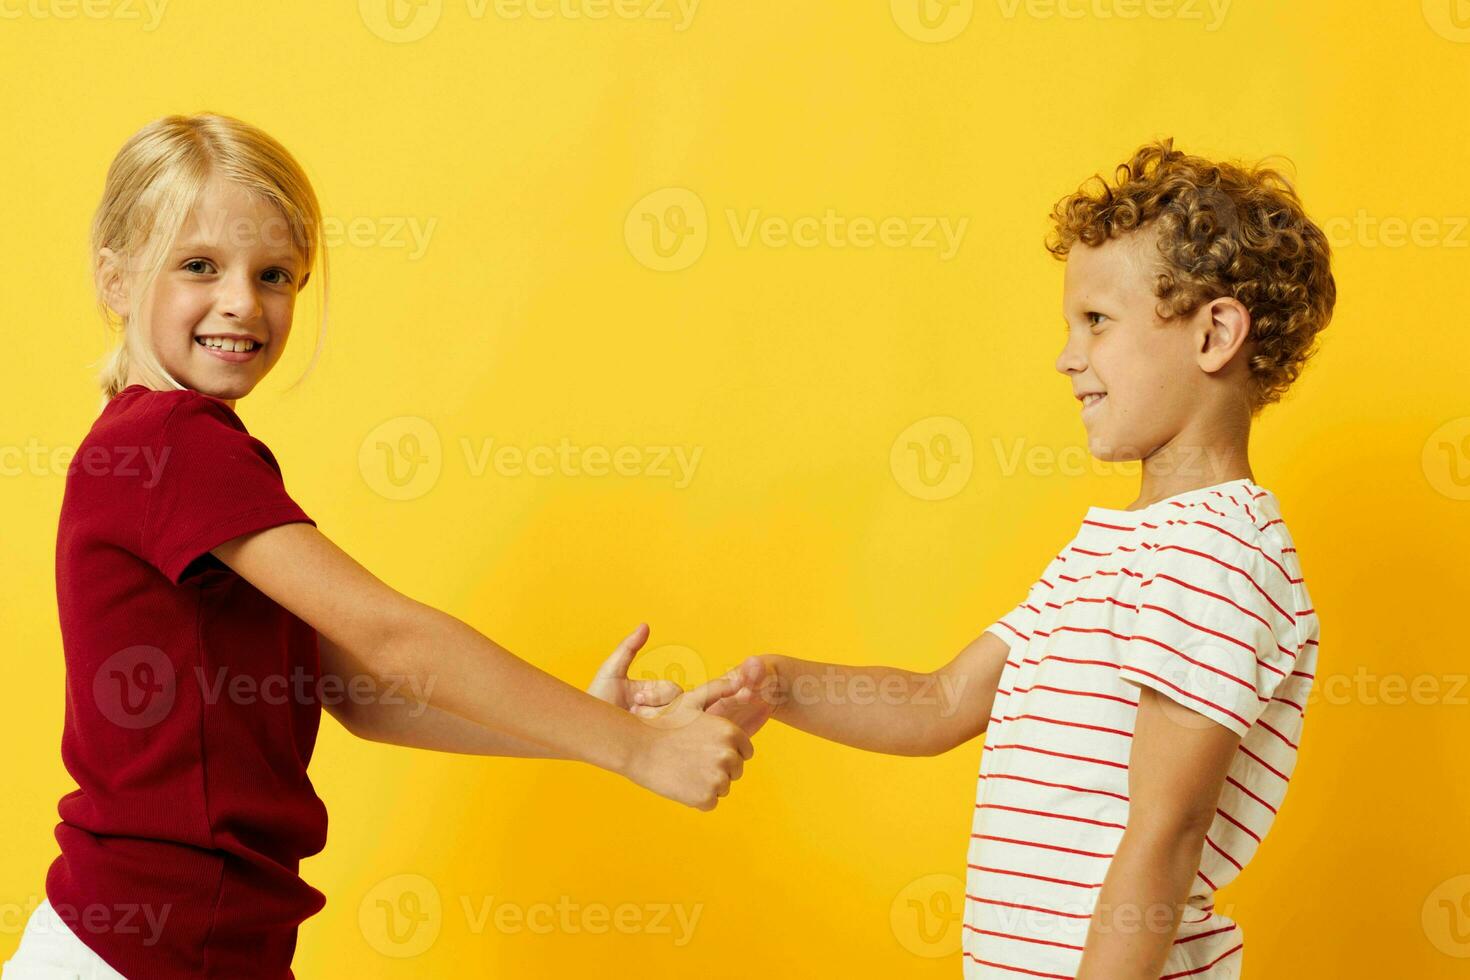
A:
x,y
233,273
1117,344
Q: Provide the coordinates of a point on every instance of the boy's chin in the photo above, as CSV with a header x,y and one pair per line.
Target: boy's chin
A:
x,y
1108,452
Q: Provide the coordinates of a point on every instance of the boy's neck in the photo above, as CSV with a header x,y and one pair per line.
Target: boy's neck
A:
x,y
1166,477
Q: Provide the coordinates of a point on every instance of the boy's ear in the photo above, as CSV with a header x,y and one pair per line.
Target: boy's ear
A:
x,y
112,282
1225,329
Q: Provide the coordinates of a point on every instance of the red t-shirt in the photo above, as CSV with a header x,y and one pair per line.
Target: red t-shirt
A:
x,y
191,701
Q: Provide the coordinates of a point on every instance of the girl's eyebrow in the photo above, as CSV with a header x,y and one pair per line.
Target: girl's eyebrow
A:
x,y
281,257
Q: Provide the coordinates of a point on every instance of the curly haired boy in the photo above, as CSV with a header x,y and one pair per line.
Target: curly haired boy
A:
x,y
1143,703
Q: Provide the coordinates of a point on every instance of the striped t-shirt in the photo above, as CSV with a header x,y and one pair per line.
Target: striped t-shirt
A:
x,y
1199,596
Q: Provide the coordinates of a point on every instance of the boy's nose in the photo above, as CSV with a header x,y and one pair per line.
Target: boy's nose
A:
x,y
1070,360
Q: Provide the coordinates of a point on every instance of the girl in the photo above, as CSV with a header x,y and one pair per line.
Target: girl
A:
x,y
206,621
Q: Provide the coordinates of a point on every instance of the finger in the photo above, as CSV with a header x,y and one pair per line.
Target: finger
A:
x,y
617,663
655,692
753,722
737,769
742,744
749,714
752,672
724,686
750,717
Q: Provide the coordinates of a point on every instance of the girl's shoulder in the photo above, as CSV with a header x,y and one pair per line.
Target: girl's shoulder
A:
x,y
140,425
144,413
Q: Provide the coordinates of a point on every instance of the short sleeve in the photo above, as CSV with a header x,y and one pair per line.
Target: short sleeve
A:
x,y
214,482
1215,628
1016,626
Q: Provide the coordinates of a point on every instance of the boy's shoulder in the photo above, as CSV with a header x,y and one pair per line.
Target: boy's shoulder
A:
x,y
1247,508
1240,509
1226,525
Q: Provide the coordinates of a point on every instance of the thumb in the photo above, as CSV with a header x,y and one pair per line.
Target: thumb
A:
x,y
724,686
615,667
751,672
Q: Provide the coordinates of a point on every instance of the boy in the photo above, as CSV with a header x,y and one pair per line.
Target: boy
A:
x,y
1143,704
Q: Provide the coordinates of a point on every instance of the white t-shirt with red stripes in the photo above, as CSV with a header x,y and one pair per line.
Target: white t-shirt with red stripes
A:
x,y
1199,596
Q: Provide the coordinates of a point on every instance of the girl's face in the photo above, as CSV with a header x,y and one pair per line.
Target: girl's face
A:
x,y
219,313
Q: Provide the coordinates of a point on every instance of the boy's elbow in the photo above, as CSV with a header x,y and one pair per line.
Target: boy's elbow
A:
x,y
953,731
942,743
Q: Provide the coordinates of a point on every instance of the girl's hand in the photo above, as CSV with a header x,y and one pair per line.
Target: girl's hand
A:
x,y
611,683
692,757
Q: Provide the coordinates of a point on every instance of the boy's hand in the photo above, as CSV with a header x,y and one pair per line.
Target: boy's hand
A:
x,y
692,757
611,683
755,698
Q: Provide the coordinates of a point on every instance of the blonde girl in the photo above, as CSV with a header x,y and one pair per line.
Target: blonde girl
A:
x,y
206,621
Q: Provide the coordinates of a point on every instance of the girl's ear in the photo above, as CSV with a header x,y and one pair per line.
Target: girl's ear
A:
x,y
111,281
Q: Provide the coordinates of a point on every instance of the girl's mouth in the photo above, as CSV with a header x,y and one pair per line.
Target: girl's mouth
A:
x,y
1091,402
234,351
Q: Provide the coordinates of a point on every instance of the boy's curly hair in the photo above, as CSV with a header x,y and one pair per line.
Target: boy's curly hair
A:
x,y
1223,230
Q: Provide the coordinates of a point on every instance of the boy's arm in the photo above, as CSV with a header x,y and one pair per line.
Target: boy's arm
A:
x,y
1176,770
884,709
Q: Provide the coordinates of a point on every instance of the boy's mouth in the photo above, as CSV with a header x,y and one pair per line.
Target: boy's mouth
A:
x,y
1091,401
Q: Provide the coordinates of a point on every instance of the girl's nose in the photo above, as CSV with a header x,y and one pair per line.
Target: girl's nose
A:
x,y
237,298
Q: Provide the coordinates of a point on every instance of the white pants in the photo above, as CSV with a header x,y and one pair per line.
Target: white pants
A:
x,y
49,950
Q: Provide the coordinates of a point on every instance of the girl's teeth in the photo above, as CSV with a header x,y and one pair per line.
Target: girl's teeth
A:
x,y
222,343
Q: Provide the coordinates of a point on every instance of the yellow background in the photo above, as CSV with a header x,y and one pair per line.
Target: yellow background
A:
x,y
529,318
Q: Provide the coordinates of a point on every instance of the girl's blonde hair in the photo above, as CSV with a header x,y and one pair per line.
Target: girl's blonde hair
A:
x,y
154,182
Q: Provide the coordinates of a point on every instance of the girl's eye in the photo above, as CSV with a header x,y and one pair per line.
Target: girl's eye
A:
x,y
285,277
192,263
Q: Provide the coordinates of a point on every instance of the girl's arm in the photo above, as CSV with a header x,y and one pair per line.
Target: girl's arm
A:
x,y
396,718
881,709
683,754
